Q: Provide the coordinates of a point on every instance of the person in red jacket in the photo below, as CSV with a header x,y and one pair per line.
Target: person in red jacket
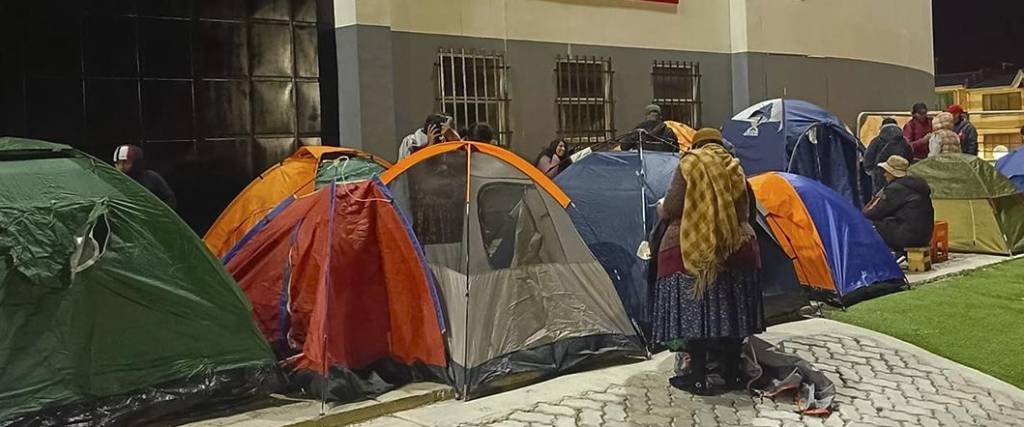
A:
x,y
917,130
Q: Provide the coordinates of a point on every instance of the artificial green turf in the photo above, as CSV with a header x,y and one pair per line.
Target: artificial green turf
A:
x,y
976,319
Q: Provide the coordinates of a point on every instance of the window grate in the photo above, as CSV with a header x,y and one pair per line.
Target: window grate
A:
x,y
677,91
584,99
472,87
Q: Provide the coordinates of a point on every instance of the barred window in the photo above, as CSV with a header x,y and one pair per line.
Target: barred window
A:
x,y
584,99
472,87
677,91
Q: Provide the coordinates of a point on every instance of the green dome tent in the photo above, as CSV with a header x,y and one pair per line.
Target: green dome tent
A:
x,y
985,212
111,310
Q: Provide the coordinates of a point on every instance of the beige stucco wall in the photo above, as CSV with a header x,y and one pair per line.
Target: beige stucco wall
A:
x,y
695,25
886,31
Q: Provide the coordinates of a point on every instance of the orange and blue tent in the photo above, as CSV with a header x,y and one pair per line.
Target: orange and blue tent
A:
x,y
340,287
308,169
836,251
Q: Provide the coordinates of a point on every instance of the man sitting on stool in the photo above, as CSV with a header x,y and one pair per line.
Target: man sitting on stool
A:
x,y
902,211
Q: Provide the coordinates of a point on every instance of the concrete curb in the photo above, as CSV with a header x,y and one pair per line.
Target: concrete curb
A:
x,y
958,265
364,411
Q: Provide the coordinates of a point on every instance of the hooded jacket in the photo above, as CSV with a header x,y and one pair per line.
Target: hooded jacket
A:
x,y
889,142
147,178
659,130
903,214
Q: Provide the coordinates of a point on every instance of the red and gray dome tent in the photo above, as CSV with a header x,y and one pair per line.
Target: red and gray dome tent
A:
x,y
340,288
112,312
524,297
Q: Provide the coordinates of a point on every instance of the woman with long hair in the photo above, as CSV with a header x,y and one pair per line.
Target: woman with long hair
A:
x,y
706,297
553,159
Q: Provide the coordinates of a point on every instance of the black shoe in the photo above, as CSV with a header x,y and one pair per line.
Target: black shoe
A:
x,y
692,384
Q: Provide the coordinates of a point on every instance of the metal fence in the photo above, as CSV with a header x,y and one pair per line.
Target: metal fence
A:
x,y
677,91
584,99
472,87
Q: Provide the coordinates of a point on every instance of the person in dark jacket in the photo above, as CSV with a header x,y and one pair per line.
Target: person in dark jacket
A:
x,y
129,160
902,212
965,130
659,136
889,142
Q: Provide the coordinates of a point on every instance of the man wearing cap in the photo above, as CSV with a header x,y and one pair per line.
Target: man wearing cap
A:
x,y
902,212
965,130
128,159
659,137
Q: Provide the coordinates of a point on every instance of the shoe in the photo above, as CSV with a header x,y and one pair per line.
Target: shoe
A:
x,y
692,384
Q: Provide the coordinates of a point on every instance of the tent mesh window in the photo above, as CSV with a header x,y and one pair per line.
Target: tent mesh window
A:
x,y
677,91
584,99
472,87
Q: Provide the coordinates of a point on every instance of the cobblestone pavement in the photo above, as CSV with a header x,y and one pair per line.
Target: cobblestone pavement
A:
x,y
877,386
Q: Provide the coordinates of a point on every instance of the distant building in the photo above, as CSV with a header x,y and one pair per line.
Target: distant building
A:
x,y
994,101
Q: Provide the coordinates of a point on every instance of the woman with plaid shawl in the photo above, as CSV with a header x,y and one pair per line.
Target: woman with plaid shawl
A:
x,y
706,296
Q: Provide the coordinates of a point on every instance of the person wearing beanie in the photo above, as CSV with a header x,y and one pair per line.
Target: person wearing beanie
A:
x,y
902,212
889,142
129,160
964,129
659,136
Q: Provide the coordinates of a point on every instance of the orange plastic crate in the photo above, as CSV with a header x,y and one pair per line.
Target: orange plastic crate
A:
x,y
940,242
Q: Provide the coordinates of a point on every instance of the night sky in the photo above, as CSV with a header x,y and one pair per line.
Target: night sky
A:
x,y
975,34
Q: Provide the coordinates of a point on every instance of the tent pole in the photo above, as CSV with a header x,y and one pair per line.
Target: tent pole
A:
x,y
465,224
642,173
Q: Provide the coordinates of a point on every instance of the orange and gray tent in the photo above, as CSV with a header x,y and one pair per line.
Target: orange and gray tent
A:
x,y
308,169
835,250
340,288
524,297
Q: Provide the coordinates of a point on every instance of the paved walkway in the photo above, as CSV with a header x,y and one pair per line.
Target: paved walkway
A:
x,y
881,381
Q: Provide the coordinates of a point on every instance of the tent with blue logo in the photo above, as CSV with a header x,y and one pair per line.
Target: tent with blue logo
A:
x,y
1012,167
836,251
609,191
794,136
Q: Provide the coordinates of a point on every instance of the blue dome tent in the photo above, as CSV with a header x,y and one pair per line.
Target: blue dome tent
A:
x,y
1012,166
790,135
606,187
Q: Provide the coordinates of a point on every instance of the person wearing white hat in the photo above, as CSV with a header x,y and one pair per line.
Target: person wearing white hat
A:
x,y
129,160
902,211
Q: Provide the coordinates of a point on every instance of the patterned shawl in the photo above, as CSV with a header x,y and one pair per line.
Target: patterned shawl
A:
x,y
714,211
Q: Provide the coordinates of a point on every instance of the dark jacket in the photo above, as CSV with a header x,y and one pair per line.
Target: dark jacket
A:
x,y
889,142
655,129
902,213
968,136
156,185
